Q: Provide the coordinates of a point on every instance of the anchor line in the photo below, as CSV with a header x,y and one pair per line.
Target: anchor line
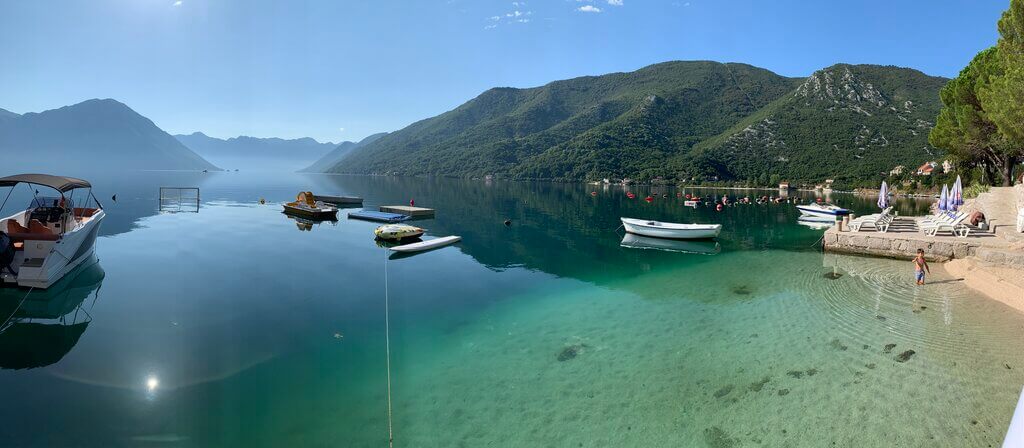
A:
x,y
387,350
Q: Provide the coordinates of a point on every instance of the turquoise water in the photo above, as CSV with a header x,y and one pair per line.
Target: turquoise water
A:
x,y
238,326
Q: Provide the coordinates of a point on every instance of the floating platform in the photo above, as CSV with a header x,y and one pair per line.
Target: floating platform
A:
x,y
338,200
370,215
415,212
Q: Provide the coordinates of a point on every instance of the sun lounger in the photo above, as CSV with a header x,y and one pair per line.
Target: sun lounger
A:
x,y
878,221
954,225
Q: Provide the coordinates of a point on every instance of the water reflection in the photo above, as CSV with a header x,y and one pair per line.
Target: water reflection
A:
x,y
306,225
691,247
44,325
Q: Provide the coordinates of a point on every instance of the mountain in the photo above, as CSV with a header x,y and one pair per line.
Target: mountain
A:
x,y
7,115
848,122
343,149
674,120
94,134
251,152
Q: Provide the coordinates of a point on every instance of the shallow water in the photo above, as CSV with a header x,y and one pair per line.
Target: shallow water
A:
x,y
236,326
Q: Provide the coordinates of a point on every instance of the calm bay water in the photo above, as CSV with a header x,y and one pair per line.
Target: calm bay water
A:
x,y
238,326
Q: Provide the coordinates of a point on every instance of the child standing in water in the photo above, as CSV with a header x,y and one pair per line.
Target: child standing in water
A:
x,y
920,266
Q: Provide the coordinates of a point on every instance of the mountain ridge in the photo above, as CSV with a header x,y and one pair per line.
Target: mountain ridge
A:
x,y
669,121
249,152
102,133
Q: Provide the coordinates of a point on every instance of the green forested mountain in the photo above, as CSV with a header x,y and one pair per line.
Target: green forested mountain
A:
x,y
674,120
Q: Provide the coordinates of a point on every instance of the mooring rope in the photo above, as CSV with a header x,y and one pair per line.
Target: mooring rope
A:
x,y
387,348
4,325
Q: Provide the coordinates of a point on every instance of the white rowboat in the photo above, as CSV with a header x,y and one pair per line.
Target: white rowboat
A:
x,y
671,230
428,244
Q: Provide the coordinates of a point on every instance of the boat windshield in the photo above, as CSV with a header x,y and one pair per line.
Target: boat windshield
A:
x,y
48,201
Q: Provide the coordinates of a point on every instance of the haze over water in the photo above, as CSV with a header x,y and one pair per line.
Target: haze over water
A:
x,y
238,326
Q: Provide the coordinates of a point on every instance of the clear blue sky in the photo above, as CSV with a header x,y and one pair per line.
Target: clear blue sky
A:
x,y
312,68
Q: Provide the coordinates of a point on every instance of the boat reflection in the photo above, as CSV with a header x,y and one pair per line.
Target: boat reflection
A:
x,y
816,223
690,247
44,325
306,225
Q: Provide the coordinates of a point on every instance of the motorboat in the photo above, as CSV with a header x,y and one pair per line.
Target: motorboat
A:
x,y
306,206
396,232
53,235
822,211
671,230
634,241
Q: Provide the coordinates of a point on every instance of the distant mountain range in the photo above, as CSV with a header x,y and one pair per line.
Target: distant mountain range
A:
x,y
249,152
94,134
336,155
676,121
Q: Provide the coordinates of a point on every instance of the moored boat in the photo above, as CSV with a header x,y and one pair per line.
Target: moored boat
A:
x,y
395,232
305,206
52,236
822,210
671,230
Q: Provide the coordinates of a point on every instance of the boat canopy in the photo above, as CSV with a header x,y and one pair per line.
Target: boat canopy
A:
x,y
59,183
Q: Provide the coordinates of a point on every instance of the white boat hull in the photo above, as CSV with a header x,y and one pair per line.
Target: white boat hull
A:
x,y
62,256
818,212
671,230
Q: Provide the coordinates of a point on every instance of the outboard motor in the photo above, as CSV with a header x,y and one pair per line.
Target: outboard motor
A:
x,y
6,253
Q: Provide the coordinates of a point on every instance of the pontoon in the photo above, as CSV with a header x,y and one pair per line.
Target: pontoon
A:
x,y
52,236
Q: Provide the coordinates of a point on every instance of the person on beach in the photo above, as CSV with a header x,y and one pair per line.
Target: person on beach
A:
x,y
920,266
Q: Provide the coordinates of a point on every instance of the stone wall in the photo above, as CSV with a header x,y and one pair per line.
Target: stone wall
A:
x,y
893,246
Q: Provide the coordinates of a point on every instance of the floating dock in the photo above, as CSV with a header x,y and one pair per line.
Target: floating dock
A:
x,y
415,212
370,215
338,200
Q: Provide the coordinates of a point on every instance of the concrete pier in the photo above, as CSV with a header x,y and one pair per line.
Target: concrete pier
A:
x,y
904,239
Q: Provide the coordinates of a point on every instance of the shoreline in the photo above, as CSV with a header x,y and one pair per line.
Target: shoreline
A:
x,y
1004,285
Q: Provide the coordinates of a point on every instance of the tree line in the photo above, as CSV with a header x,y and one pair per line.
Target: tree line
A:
x,y
981,123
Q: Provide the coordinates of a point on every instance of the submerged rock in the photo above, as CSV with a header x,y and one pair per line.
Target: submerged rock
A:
x,y
723,391
570,352
756,387
888,348
812,372
717,438
903,357
742,290
870,366
795,374
836,344
783,392
833,275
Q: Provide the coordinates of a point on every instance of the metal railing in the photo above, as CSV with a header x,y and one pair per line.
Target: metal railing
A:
x,y
179,199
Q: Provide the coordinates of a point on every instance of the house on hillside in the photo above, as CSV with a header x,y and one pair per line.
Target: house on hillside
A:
x,y
946,166
898,170
784,185
926,169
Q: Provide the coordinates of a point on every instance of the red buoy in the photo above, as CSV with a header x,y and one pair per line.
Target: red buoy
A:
x,y
648,199
593,193
718,207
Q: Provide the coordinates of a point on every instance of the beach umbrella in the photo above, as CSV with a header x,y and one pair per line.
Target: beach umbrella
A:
x,y
960,191
944,198
883,196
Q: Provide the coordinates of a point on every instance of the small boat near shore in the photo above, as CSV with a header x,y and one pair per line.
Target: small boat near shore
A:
x,y
827,211
306,207
45,241
671,230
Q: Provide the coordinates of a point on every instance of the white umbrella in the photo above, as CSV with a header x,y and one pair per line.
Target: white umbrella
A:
x,y
959,197
883,196
944,198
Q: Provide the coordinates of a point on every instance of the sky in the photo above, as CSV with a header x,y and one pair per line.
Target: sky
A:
x,y
340,70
